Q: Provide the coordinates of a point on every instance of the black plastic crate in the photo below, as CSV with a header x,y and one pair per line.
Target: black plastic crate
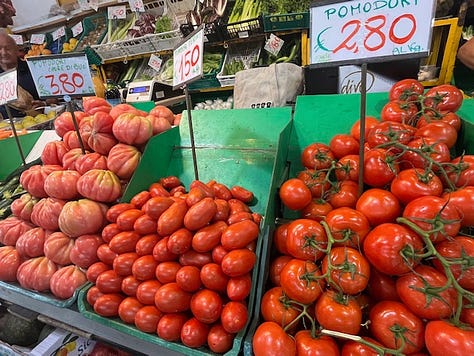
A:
x,y
243,29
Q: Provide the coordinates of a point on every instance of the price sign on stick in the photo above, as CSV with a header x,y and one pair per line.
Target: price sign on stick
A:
x,y
8,86
117,12
136,5
60,75
37,38
187,59
362,31
77,29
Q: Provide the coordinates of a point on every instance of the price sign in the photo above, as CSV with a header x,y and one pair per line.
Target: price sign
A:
x,y
37,38
345,31
136,5
8,86
187,59
84,4
273,44
77,29
155,62
18,39
58,33
61,75
117,12
94,4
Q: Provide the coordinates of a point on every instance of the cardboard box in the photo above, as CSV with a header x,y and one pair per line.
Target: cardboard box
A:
x,y
63,343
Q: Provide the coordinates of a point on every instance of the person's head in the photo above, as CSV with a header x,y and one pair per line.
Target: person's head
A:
x,y
8,51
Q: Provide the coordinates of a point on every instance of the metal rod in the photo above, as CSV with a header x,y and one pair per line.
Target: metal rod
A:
x,y
15,134
191,131
74,121
363,107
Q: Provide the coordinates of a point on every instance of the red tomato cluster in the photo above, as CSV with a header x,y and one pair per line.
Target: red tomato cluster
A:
x,y
178,263
387,269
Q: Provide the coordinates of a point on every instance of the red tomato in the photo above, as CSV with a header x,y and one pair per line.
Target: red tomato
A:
x,y
170,325
144,267
161,253
370,122
147,317
346,269
463,200
277,307
301,281
165,272
146,244
109,282
279,238
306,239
234,317
200,214
238,262
128,308
381,286
208,237
380,167
170,182
347,168
439,131
379,206
93,293
316,210
391,321
124,241
444,97
188,278
170,298
172,218
344,194
406,90
95,269
140,198
317,156
308,345
123,263
115,210
354,348
194,333
399,111
414,288
435,215
420,149
343,144
238,288
461,174
219,340
109,231
180,241
449,117
206,306
443,338
146,290
390,247
316,181
271,339
239,235
458,251
221,191
157,190
129,286
295,194
127,218
338,312
276,265
212,277
108,304
145,225
348,226
242,194
193,258
412,183
390,133
155,206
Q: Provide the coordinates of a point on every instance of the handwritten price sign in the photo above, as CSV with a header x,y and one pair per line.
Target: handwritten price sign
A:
x,y
187,59
60,32
8,87
117,12
37,38
60,75
136,5
155,62
367,30
274,44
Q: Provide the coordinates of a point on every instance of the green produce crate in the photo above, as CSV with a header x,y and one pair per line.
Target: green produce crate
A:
x,y
208,80
236,147
11,159
94,31
316,119
286,22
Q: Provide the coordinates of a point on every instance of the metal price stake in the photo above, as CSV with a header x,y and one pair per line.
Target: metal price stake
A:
x,y
65,76
187,67
361,31
9,93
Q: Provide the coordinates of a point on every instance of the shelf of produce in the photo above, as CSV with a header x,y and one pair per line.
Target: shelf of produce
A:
x,y
70,316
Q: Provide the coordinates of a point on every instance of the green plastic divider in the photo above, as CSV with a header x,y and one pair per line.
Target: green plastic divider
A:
x,y
11,158
235,147
316,119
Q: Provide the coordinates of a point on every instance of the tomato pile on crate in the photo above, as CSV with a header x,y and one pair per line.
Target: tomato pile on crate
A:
x,y
178,263
387,269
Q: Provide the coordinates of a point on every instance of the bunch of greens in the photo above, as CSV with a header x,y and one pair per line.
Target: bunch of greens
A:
x,y
274,7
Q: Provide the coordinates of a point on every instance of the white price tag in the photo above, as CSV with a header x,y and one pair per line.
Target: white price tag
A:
x,y
273,45
83,4
136,5
61,75
187,59
8,87
117,12
18,39
60,32
94,4
77,29
37,38
155,62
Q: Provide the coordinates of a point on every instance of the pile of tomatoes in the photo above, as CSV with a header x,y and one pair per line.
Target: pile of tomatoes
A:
x,y
178,263
386,267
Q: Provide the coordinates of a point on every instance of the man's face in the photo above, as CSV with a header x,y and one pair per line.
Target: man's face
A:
x,y
8,53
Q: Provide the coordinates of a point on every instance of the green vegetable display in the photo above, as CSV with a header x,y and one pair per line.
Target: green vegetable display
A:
x,y
274,7
245,10
211,62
